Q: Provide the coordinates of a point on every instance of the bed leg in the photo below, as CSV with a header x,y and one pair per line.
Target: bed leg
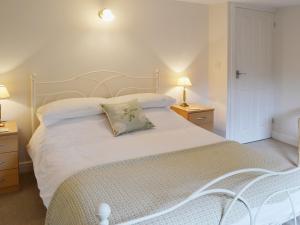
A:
x,y
104,213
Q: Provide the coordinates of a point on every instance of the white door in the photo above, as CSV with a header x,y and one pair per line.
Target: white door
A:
x,y
251,82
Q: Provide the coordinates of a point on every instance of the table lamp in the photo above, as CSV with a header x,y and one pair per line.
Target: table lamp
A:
x,y
184,82
3,95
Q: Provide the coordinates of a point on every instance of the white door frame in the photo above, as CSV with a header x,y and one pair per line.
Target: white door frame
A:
x,y
232,55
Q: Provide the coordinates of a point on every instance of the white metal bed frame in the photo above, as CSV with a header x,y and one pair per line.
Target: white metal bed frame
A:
x,y
104,210
101,79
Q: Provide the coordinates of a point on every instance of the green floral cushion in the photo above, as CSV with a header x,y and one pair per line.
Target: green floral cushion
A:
x,y
126,117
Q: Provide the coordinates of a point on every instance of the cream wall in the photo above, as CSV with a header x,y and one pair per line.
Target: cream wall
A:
x,y
60,38
287,70
218,63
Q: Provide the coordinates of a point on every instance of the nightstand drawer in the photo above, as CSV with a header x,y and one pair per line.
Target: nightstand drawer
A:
x,y
8,161
9,143
9,178
201,117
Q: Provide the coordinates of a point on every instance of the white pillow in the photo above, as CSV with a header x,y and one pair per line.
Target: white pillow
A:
x,y
146,100
69,108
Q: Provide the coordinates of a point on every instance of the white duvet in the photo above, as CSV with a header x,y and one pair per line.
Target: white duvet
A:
x,y
63,149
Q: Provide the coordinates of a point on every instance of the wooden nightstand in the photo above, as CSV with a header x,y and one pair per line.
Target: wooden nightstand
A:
x,y
200,115
9,158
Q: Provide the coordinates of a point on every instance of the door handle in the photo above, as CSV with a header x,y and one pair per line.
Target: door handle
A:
x,y
238,74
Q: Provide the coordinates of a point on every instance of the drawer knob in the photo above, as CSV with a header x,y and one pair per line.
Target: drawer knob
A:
x,y
201,118
1,163
2,145
2,180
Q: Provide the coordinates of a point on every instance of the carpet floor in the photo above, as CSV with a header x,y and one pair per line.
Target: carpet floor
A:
x,y
23,207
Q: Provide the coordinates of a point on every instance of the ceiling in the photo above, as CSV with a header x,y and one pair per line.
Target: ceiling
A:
x,y
270,3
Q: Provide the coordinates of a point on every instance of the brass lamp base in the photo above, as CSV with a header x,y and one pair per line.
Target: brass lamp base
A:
x,y
184,104
2,124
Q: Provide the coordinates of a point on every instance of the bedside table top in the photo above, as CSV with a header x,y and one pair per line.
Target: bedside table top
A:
x,y
12,128
194,108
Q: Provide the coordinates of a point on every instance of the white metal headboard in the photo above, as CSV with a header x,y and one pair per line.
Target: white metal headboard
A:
x,y
100,83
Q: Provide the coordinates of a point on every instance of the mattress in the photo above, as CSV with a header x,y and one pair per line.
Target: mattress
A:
x,y
61,150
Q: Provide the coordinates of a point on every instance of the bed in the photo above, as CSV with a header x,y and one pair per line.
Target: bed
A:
x,y
176,173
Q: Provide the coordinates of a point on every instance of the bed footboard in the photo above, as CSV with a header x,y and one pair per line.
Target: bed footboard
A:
x,y
104,212
104,209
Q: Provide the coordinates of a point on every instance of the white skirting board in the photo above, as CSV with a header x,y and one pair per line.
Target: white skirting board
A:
x,y
285,138
286,128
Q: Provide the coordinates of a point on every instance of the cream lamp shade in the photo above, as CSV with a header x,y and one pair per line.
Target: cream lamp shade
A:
x,y
184,82
3,92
